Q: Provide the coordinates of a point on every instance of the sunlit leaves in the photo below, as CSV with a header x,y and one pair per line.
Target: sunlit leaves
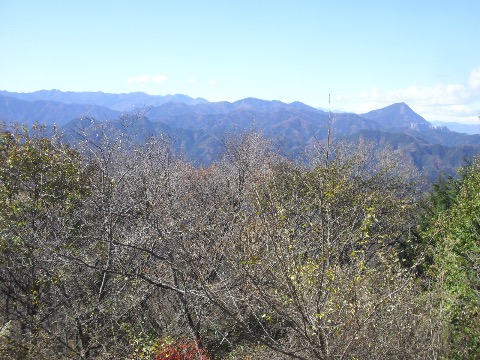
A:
x,y
456,270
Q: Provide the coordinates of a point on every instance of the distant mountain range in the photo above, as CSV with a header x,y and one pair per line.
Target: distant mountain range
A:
x,y
119,102
461,128
198,127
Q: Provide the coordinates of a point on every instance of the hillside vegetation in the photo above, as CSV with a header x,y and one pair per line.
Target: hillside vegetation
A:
x,y
114,248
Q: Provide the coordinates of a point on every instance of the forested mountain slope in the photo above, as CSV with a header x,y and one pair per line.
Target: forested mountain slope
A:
x,y
199,128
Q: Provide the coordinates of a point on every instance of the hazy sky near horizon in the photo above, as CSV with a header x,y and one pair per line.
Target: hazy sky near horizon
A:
x,y
366,53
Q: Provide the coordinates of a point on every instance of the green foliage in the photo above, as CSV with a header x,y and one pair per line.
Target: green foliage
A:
x,y
41,183
456,232
37,174
417,249
443,195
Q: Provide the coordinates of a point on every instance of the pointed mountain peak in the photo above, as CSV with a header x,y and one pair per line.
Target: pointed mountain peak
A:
x,y
402,107
397,116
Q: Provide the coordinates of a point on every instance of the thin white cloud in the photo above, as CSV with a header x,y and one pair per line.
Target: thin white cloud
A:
x,y
146,79
212,82
159,78
443,102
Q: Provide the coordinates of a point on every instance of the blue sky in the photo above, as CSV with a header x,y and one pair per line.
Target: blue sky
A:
x,y
367,53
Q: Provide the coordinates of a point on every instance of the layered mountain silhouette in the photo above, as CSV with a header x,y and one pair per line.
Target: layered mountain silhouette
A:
x,y
199,127
119,102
